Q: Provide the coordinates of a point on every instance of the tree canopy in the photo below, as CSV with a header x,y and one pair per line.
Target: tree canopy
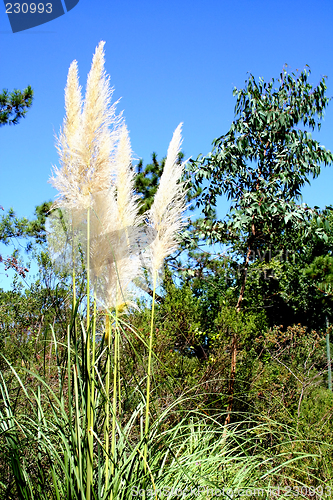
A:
x,y
262,163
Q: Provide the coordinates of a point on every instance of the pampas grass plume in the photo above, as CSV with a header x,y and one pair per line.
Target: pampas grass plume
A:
x,y
62,179
166,213
96,173
127,200
97,141
86,143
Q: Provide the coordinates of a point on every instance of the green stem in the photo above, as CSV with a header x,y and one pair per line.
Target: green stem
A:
x,y
329,368
89,453
92,408
118,372
149,371
69,391
114,402
73,280
78,428
88,269
107,402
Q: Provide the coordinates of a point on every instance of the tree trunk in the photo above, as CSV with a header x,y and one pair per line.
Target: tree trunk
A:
x,y
242,290
232,379
234,343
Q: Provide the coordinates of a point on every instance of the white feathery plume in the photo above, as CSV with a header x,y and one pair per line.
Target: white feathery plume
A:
x,y
119,223
73,105
86,147
96,174
166,214
62,179
92,146
113,260
127,200
103,209
97,141
114,265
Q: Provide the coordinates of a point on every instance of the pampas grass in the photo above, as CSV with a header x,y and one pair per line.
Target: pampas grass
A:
x,y
88,137
127,200
63,179
166,218
96,182
116,223
85,146
96,173
166,215
96,186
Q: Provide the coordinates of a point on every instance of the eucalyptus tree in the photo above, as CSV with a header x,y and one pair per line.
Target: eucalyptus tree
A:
x,y
261,165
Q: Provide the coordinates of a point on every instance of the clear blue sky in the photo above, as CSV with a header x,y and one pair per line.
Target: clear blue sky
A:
x,y
169,62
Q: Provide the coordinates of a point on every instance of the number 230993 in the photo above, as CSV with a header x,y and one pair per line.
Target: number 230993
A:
x,y
25,8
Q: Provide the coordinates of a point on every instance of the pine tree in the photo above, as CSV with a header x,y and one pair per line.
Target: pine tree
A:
x,y
14,105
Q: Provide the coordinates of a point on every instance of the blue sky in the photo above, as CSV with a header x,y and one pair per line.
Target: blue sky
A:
x,y
169,62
